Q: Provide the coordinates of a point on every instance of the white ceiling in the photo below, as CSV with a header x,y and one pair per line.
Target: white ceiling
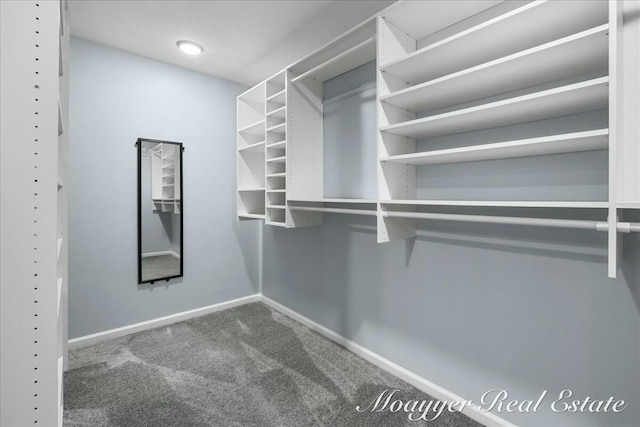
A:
x,y
244,41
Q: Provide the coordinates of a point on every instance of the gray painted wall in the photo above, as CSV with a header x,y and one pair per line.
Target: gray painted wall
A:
x,y
474,307
115,98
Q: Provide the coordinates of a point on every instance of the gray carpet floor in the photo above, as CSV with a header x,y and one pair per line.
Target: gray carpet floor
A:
x,y
247,366
159,266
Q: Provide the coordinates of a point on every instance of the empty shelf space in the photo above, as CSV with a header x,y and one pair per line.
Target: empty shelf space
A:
x,y
278,113
279,128
281,159
487,40
334,200
279,144
251,216
257,147
570,56
351,58
555,144
501,203
253,129
575,98
245,190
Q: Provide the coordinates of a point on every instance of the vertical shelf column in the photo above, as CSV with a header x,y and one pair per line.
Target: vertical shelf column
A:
x,y
395,181
33,166
304,142
276,150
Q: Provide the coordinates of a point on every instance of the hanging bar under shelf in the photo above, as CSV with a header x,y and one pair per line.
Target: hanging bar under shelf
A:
x,y
539,222
629,227
334,210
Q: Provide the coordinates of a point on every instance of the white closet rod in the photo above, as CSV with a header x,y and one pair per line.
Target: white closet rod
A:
x,y
334,210
629,227
540,222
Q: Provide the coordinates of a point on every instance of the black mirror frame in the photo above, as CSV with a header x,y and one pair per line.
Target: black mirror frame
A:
x,y
138,145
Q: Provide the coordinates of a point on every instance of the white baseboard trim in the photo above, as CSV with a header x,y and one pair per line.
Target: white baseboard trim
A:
x,y
149,254
160,321
486,418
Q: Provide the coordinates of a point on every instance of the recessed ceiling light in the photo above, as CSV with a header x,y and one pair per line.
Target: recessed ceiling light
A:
x,y
190,48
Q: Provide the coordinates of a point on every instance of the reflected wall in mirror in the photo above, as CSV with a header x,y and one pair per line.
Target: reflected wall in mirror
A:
x,y
160,210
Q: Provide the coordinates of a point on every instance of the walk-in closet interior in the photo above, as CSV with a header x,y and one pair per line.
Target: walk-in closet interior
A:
x,y
286,213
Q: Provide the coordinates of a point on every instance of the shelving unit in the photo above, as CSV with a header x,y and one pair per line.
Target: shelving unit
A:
x,y
491,84
251,125
34,188
165,178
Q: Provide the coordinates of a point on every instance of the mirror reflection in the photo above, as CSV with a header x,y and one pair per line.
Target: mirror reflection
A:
x,y
159,210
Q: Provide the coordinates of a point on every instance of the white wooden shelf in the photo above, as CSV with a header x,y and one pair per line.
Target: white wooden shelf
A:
x,y
511,32
278,113
501,203
334,200
574,55
555,144
629,205
276,207
253,148
281,159
277,175
251,216
278,98
246,190
279,128
277,224
276,191
279,144
256,129
351,58
575,98
60,240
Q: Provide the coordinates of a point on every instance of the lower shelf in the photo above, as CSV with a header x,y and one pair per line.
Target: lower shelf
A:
x,y
250,216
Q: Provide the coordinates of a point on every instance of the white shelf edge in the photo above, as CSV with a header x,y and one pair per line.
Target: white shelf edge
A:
x,y
629,205
336,59
276,207
251,126
277,175
277,110
278,144
275,95
277,224
251,216
501,203
554,144
276,191
335,200
251,147
246,190
277,159
279,125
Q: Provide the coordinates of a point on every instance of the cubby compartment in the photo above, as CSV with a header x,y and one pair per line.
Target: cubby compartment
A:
x,y
251,204
251,170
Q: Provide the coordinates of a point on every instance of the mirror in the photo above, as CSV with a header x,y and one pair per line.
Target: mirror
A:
x,y
160,210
